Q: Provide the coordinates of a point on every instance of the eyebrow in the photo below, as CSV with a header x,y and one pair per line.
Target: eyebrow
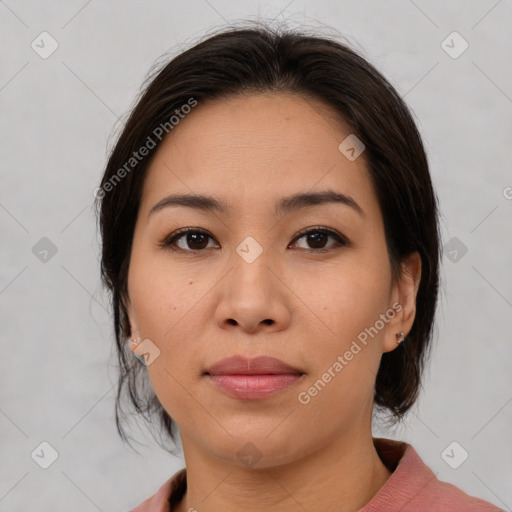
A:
x,y
283,206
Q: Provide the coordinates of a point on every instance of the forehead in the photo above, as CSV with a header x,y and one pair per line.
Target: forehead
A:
x,y
256,148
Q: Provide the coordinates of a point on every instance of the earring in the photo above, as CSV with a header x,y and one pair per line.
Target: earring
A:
x,y
399,337
135,341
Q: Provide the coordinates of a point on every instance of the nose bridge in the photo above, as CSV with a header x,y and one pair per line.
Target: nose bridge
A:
x,y
249,298
250,267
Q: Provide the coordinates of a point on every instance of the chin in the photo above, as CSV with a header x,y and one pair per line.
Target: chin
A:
x,y
257,448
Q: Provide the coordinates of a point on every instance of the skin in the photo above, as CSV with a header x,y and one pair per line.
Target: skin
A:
x,y
200,307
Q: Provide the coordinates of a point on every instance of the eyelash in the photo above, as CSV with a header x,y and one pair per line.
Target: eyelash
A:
x,y
170,241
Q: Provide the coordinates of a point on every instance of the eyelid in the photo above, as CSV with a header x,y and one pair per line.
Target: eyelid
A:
x,y
166,242
329,231
341,240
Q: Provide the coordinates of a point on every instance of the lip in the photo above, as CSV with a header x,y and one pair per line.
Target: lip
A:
x,y
252,378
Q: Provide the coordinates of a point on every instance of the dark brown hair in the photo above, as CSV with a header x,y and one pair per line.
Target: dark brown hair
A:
x,y
263,59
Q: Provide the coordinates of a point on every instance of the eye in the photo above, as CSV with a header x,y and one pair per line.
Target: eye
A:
x,y
196,240
317,238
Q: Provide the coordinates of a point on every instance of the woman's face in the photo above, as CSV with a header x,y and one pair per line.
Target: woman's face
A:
x,y
253,282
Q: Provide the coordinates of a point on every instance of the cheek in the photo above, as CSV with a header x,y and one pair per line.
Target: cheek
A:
x,y
345,301
168,309
163,299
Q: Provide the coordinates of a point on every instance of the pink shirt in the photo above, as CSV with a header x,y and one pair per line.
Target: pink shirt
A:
x,y
412,487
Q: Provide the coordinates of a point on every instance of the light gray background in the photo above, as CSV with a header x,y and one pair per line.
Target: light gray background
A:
x,y
57,119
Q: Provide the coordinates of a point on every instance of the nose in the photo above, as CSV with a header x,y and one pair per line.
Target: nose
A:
x,y
253,297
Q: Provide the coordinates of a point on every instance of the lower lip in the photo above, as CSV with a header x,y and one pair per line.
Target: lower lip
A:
x,y
251,387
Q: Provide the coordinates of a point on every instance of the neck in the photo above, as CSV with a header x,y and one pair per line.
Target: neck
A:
x,y
343,476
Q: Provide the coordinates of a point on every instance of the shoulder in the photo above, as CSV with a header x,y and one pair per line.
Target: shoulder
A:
x,y
413,487
448,497
169,492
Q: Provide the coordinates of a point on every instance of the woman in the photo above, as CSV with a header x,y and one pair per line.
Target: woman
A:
x,y
271,243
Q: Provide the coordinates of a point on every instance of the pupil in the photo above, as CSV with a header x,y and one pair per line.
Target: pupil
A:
x,y
193,239
314,239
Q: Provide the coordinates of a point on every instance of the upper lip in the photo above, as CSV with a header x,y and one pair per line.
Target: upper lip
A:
x,y
241,365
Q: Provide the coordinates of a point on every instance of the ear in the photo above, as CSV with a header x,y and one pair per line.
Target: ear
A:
x,y
133,324
403,301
